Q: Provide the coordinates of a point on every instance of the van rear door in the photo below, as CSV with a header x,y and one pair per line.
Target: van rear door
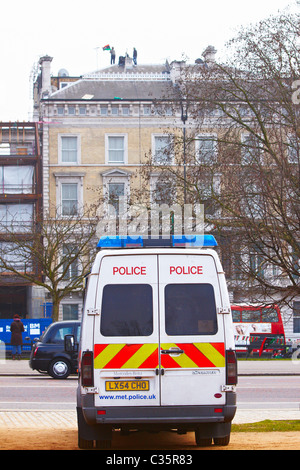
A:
x,y
191,332
158,338
126,334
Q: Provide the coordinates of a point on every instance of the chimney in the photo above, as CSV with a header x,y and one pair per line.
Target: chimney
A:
x,y
177,68
210,55
45,63
128,63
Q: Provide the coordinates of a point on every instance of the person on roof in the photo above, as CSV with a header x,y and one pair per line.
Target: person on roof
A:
x,y
112,55
134,56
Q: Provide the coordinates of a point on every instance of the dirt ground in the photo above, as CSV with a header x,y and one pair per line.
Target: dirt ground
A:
x,y
54,439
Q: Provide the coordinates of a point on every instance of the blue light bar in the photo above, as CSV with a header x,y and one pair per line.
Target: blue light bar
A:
x,y
176,241
119,241
194,241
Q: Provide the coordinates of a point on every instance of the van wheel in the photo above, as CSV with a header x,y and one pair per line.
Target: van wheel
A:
x,y
201,441
59,369
84,444
103,444
222,441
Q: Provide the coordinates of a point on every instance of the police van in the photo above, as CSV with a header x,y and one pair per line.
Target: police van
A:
x,y
157,342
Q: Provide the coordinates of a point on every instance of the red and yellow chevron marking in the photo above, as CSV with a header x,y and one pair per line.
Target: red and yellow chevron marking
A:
x,y
145,356
195,355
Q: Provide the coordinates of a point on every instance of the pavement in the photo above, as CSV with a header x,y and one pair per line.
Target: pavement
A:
x,y
49,419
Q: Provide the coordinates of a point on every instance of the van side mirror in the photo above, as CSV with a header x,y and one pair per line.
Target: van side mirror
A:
x,y
69,342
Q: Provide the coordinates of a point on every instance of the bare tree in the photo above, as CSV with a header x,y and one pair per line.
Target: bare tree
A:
x,y
239,155
54,253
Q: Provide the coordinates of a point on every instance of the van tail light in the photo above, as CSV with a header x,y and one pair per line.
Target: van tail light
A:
x,y
87,375
231,368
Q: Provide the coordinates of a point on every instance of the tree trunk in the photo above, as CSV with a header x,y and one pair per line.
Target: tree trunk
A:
x,y
55,309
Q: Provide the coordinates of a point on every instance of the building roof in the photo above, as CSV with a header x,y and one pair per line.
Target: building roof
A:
x,y
144,82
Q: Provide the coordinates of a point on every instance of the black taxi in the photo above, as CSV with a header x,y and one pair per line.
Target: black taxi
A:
x,y
50,353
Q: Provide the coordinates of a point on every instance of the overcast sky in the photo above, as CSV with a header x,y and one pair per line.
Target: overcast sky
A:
x,y
74,32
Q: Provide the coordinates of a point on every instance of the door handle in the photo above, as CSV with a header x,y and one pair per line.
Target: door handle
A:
x,y
172,351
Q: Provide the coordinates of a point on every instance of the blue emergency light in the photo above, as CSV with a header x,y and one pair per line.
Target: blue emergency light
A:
x,y
175,241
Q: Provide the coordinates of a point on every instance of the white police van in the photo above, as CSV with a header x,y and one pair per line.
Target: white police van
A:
x,y
157,342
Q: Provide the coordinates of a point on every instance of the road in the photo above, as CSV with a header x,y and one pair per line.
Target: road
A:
x,y
41,393
272,392
38,412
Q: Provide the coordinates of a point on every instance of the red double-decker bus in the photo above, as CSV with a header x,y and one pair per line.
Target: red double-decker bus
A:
x,y
258,329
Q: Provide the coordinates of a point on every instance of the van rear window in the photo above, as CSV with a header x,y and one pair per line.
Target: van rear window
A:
x,y
190,309
127,310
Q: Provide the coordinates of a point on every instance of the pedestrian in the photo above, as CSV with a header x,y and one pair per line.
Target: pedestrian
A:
x,y
134,56
16,329
112,55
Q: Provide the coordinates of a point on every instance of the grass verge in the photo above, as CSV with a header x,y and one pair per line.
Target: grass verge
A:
x,y
268,425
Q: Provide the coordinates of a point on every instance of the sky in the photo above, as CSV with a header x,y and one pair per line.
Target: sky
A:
x,y
74,32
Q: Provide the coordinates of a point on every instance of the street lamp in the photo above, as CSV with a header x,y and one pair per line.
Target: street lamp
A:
x,y
184,116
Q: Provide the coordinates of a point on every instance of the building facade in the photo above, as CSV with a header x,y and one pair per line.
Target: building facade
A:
x,y
20,208
99,131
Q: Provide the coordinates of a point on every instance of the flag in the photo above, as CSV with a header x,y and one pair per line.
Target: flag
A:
x,y
106,48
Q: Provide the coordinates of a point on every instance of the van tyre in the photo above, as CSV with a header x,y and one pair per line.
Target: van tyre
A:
x,y
222,441
202,441
59,368
103,444
84,444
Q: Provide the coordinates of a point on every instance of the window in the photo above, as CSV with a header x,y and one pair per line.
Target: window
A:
x,y
5,149
69,149
16,256
115,110
82,110
296,317
70,311
249,316
127,310
69,192
293,149
16,179
70,267
206,150
252,200
257,261
60,110
250,149
296,265
116,148
71,110
231,257
16,217
103,110
162,149
163,189
269,315
115,191
57,335
116,185
190,309
236,316
125,110
146,110
69,198
206,189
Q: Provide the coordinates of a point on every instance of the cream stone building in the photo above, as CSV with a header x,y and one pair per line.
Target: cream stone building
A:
x,y
99,130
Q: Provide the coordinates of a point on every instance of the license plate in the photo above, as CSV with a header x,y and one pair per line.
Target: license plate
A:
x,y
127,385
